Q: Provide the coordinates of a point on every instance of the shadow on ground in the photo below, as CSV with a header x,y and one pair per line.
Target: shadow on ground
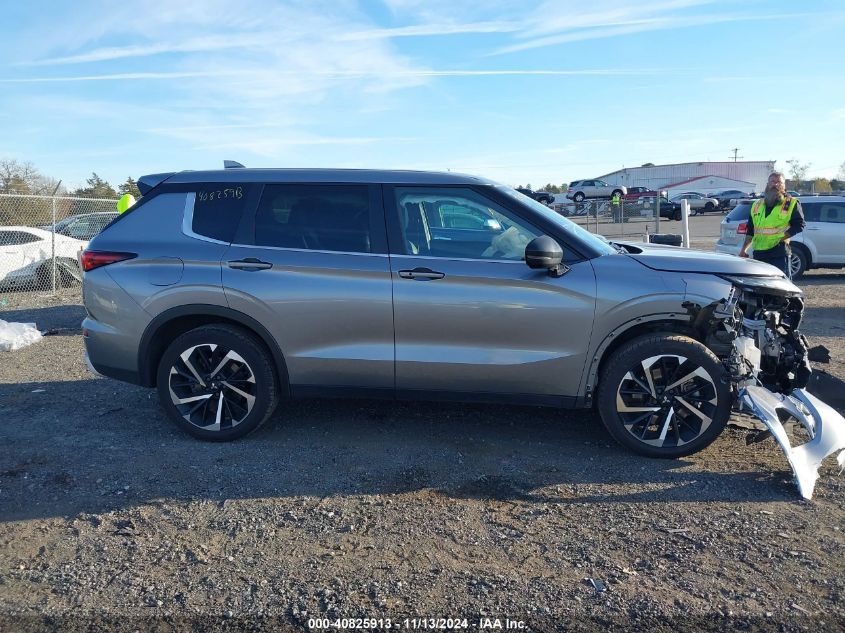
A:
x,y
96,445
59,319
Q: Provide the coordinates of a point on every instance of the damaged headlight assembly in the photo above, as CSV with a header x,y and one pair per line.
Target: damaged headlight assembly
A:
x,y
769,370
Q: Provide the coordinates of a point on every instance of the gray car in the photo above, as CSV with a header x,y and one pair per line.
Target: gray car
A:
x,y
232,290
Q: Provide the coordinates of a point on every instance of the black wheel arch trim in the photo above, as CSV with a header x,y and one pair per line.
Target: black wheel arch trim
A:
x,y
676,322
147,369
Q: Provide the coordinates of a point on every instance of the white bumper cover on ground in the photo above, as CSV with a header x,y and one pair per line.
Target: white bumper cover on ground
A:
x,y
824,425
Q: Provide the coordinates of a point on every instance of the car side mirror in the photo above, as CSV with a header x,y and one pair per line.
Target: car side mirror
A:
x,y
544,252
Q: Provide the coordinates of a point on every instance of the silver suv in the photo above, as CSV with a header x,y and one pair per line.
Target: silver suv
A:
x,y
580,189
820,245
232,290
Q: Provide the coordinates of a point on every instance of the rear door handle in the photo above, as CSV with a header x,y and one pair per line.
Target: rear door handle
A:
x,y
250,263
421,273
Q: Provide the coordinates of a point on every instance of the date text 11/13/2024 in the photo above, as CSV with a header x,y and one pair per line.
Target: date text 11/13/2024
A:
x,y
417,623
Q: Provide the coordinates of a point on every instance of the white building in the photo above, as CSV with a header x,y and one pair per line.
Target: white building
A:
x,y
747,176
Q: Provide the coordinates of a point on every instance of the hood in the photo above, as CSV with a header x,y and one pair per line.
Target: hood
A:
x,y
684,260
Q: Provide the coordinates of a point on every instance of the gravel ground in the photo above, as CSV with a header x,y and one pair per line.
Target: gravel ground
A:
x,y
111,518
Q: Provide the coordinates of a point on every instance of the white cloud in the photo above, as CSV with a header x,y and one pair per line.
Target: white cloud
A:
x,y
436,29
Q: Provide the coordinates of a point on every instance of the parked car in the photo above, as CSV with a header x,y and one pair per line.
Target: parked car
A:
x,y
259,285
83,226
634,193
669,209
26,257
820,245
698,203
581,189
540,196
724,198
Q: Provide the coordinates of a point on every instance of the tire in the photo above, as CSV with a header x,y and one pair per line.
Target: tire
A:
x,y
676,215
44,277
249,392
615,192
798,262
578,197
685,421
68,274
709,206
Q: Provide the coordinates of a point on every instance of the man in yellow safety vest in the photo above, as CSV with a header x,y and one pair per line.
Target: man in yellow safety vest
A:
x,y
774,219
616,206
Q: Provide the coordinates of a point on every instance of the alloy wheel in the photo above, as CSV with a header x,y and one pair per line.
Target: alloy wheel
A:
x,y
666,401
212,387
794,265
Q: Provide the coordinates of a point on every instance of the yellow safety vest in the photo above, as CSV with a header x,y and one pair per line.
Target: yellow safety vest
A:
x,y
770,229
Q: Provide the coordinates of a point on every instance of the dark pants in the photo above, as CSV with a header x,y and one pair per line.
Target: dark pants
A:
x,y
781,263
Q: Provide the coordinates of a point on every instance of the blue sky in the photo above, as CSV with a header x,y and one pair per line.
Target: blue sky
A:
x,y
532,91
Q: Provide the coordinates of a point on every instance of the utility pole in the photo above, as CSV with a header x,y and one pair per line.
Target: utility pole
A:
x,y
735,150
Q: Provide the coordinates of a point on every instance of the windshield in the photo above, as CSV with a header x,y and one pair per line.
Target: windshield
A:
x,y
64,222
569,226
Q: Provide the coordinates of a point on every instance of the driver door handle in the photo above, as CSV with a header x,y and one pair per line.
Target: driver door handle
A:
x,y
421,273
250,263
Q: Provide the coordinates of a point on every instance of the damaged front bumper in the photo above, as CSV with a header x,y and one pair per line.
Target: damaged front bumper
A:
x,y
824,425
769,367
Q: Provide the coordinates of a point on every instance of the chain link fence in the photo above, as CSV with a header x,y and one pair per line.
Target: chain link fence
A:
x,y
41,238
633,219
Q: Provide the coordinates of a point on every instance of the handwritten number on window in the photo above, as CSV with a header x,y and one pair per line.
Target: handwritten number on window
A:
x,y
234,193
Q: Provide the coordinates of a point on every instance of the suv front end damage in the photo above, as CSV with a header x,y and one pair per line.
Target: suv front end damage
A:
x,y
754,330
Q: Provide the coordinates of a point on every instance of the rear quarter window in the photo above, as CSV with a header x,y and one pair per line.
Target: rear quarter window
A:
x,y
218,208
832,212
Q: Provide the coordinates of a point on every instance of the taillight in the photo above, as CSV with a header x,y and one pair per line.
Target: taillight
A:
x,y
742,229
94,259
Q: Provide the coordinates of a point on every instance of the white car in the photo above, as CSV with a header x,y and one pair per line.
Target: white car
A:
x,y
580,189
698,203
26,257
820,245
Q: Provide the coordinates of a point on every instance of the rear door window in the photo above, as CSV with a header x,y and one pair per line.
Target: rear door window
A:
x,y
315,217
218,208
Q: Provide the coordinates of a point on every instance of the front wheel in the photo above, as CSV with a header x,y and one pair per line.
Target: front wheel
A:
x,y
217,382
664,395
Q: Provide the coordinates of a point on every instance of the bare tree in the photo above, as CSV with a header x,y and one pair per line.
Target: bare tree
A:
x,y
841,175
24,177
797,169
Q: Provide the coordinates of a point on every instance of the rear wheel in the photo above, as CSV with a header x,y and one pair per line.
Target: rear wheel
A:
x,y
798,262
664,395
217,382
578,197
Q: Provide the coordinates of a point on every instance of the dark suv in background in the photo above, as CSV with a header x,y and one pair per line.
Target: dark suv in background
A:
x,y
540,196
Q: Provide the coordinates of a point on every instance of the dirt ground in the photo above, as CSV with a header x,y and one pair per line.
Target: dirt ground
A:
x,y
111,518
